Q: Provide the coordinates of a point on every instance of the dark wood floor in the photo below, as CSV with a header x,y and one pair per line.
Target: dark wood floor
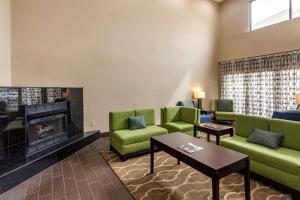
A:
x,y
82,176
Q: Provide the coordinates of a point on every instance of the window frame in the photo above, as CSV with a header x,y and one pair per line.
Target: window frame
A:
x,y
250,14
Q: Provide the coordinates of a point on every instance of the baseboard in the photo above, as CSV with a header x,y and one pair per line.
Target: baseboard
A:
x,y
104,134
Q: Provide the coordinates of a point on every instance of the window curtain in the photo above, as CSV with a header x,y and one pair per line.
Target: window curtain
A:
x,y
261,85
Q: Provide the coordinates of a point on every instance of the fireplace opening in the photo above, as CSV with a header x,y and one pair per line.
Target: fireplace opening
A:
x,y
46,127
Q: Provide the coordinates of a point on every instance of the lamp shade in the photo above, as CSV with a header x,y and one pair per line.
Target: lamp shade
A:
x,y
298,99
199,94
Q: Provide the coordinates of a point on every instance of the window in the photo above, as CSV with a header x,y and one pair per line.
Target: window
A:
x,y
296,8
261,85
267,12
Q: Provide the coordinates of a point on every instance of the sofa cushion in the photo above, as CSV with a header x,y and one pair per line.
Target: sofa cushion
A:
x,y
119,120
189,115
290,131
284,159
279,176
265,138
136,122
126,136
179,126
172,114
245,124
130,148
148,114
230,116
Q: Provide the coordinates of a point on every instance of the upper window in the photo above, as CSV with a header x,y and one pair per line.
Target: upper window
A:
x,y
267,12
296,8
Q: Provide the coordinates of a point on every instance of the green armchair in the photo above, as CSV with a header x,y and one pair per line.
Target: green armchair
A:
x,y
179,119
224,110
128,142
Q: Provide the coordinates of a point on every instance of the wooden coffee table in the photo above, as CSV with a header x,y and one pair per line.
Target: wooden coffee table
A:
x,y
214,161
215,129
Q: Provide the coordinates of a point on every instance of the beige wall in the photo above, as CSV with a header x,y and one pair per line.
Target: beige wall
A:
x,y
237,42
125,53
5,43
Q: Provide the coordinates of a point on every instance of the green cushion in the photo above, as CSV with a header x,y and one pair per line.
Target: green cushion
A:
x,y
225,116
276,175
245,124
119,120
148,114
130,148
178,127
290,131
189,115
284,159
172,114
126,136
265,138
136,122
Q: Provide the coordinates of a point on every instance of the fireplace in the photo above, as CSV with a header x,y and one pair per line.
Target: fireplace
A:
x,y
46,131
46,125
38,127
35,121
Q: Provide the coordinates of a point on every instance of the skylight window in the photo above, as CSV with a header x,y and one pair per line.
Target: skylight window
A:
x,y
296,8
267,12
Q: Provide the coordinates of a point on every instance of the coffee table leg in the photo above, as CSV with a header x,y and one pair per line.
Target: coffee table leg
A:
x,y
195,131
215,187
231,133
218,139
247,180
151,156
208,137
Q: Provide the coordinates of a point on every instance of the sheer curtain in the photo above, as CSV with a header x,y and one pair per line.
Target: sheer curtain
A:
x,y
261,85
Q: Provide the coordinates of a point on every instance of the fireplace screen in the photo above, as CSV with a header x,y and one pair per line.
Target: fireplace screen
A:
x,y
46,131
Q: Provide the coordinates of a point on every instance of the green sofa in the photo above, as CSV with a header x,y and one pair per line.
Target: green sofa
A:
x,y
281,165
224,110
127,142
179,119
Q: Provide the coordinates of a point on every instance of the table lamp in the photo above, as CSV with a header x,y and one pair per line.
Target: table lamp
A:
x,y
298,101
198,94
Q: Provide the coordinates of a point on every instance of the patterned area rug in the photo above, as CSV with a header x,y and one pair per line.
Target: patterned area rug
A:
x,y
178,182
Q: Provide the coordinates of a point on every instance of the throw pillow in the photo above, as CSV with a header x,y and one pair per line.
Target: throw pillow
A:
x,y
136,122
268,139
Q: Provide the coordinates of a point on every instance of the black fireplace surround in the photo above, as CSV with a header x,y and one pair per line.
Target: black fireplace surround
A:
x,y
35,121
46,125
